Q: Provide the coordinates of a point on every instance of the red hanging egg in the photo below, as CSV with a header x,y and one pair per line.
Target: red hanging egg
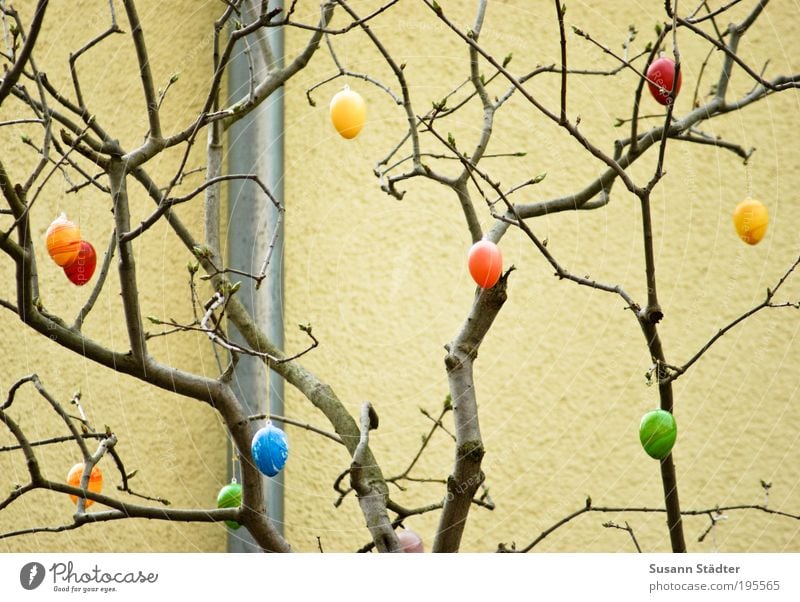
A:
x,y
95,481
80,271
661,76
485,263
63,239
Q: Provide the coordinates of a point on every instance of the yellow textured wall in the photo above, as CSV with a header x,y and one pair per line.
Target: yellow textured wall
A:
x,y
177,445
560,377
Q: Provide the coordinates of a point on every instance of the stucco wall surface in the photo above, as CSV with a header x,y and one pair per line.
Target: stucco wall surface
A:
x,y
177,445
560,377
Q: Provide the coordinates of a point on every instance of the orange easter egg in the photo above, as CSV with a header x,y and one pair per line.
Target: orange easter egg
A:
x,y
95,481
63,241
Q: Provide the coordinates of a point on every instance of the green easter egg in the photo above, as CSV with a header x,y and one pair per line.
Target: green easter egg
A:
x,y
230,496
657,432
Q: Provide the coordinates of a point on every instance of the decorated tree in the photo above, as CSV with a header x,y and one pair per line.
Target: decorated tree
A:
x,y
66,139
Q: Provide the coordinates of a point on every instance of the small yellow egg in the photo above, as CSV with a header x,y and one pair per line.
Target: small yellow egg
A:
x,y
751,218
348,112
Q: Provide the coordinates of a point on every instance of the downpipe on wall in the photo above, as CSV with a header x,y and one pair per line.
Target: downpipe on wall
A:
x,y
255,146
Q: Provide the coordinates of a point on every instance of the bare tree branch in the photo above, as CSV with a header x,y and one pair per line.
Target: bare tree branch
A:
x,y
284,420
74,56
83,313
13,74
676,372
145,73
588,508
371,499
627,527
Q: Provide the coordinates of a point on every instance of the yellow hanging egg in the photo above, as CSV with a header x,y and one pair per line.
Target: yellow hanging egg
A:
x,y
751,218
63,241
348,112
95,481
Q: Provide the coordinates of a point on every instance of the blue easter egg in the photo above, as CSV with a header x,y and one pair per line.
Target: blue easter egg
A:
x,y
270,449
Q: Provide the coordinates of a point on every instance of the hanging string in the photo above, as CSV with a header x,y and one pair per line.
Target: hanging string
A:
x,y
748,177
234,460
234,455
269,395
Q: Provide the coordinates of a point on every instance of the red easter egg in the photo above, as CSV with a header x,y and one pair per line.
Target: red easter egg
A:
x,y
95,481
80,271
661,75
63,240
485,263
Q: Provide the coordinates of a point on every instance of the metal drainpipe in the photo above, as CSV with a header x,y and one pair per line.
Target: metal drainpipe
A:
x,y
255,146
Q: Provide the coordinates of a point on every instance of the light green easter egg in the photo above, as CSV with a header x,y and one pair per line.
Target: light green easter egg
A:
x,y
657,432
230,496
